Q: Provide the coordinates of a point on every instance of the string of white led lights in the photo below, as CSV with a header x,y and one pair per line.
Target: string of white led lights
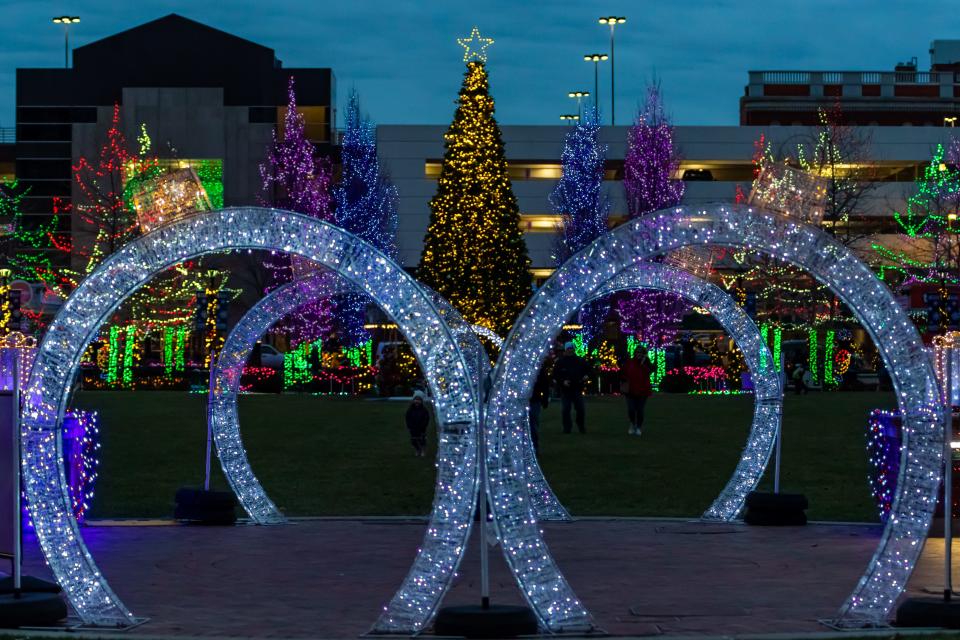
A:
x,y
222,412
768,394
656,234
119,275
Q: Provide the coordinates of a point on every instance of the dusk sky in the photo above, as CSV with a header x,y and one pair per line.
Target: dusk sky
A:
x,y
403,58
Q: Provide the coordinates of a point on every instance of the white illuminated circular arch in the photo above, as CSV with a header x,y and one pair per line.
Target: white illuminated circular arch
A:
x,y
661,232
768,394
120,274
222,413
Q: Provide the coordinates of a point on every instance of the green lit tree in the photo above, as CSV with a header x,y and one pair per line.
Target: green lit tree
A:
x,y
474,252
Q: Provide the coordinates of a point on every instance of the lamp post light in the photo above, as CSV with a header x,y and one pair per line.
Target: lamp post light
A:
x,y
66,21
613,21
596,59
579,95
572,117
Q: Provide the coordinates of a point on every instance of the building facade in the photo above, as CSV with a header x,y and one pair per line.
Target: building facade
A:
x,y
206,98
903,96
715,161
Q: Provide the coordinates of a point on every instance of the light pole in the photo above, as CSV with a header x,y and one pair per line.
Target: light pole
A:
x,y
613,21
66,21
579,95
596,59
572,117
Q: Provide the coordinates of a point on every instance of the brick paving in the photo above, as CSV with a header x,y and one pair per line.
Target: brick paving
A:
x,y
328,578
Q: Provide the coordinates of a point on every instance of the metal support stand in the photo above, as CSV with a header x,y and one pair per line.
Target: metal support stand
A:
x,y
204,506
776,509
40,604
485,621
206,462
948,509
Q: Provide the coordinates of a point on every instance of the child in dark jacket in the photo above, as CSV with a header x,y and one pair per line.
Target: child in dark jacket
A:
x,y
418,418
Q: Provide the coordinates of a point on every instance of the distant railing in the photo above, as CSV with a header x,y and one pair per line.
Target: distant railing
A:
x,y
8,135
912,84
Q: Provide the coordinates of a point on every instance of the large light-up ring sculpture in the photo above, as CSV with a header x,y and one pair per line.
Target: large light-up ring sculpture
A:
x,y
119,275
658,233
225,386
768,393
222,411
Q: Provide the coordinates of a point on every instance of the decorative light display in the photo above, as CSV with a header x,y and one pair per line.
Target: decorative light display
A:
x,y
475,47
696,260
928,228
789,191
78,322
80,430
883,451
366,205
738,325
658,356
649,183
828,378
474,252
632,344
295,179
777,348
578,198
946,362
781,236
709,375
651,162
296,363
223,415
169,197
812,360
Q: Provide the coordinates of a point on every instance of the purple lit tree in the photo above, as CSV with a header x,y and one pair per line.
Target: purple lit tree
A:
x,y
651,161
296,180
367,207
579,200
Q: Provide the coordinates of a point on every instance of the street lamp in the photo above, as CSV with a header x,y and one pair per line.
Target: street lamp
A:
x,y
596,59
570,116
950,121
579,95
613,21
66,21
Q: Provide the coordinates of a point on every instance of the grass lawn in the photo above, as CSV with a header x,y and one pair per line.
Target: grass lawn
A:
x,y
340,456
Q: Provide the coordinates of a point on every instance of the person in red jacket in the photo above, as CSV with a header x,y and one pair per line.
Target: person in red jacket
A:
x,y
636,388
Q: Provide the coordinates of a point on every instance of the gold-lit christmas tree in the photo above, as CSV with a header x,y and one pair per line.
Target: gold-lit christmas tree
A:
x,y
474,253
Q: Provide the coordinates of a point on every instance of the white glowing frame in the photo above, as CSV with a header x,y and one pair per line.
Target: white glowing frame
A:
x,y
657,233
222,413
768,406
122,273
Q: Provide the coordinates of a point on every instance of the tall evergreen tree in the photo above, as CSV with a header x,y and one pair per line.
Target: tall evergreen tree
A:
x,y
651,161
474,252
296,180
579,200
366,205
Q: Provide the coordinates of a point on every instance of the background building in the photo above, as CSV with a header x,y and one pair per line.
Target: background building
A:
x,y
715,161
901,96
206,98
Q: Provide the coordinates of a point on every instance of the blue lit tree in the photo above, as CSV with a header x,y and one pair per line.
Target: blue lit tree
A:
x,y
366,205
583,206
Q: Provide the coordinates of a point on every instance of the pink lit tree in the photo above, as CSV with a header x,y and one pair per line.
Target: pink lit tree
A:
x,y
296,180
651,161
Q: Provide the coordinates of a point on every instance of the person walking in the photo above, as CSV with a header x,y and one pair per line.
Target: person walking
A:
x,y
799,383
571,373
417,419
539,400
636,388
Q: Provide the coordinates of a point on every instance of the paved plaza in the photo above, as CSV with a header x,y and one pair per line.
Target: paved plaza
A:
x,y
329,578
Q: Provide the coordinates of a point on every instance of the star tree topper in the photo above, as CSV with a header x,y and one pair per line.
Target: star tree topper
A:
x,y
471,53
